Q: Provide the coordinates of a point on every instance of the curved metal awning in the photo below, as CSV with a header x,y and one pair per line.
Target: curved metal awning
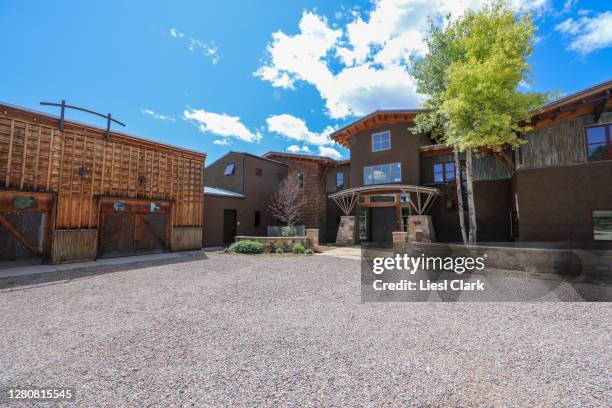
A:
x,y
424,196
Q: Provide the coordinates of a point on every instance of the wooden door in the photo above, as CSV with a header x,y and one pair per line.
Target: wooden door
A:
x,y
25,226
131,227
229,225
382,224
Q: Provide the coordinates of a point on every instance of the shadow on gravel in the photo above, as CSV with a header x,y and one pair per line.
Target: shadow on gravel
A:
x,y
15,282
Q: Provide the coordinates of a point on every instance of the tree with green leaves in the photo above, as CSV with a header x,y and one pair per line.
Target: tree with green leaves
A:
x,y
471,75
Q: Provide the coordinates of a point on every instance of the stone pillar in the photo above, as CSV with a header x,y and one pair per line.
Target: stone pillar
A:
x,y
346,230
400,238
313,237
420,229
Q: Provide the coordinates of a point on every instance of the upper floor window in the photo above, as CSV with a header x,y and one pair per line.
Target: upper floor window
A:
x,y
300,177
340,179
444,173
382,173
258,172
599,142
229,169
381,141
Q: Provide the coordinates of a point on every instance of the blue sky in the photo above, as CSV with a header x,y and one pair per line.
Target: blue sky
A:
x,y
258,75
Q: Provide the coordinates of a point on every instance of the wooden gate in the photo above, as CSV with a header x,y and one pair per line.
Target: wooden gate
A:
x,y
131,227
26,222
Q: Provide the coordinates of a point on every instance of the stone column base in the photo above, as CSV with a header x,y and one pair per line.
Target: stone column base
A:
x,y
346,230
420,229
400,238
313,236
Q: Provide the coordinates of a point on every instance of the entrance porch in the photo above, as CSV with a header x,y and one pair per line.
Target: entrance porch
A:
x,y
373,213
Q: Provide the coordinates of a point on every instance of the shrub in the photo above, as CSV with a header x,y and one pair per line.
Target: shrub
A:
x,y
280,251
298,248
308,251
247,247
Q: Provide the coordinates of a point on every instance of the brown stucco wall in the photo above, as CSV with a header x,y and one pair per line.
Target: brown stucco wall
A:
x,y
404,149
257,192
493,205
555,204
214,173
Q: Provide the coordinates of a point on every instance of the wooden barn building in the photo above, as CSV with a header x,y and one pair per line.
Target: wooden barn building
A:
x,y
73,192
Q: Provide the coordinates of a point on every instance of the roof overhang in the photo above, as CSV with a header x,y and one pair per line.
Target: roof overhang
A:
x,y
374,119
301,157
593,100
421,197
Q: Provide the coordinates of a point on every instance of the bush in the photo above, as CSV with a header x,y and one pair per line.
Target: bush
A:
x,y
280,251
247,247
298,248
308,251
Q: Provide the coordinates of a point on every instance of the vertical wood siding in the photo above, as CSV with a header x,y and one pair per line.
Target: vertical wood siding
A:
x,y
81,165
558,144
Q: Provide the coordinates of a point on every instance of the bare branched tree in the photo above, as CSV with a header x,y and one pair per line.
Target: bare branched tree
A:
x,y
287,202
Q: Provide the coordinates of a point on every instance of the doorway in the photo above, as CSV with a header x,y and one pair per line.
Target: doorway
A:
x,y
382,224
229,225
133,227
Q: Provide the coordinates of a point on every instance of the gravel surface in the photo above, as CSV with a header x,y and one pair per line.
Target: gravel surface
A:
x,y
235,330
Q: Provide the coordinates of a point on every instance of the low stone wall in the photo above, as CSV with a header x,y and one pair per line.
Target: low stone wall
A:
x,y
558,261
273,243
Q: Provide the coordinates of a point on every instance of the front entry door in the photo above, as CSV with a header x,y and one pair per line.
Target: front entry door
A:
x,y
229,226
382,223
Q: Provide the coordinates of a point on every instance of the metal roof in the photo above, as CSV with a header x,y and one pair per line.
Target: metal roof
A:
x,y
214,191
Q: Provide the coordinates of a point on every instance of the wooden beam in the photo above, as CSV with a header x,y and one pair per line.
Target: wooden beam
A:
x,y
505,160
19,236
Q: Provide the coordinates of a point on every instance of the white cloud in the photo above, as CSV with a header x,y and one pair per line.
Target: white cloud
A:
x,y
329,152
363,65
156,115
323,151
298,149
222,142
589,33
221,125
209,49
175,33
294,128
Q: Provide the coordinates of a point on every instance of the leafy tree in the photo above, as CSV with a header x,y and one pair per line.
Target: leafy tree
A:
x,y
472,75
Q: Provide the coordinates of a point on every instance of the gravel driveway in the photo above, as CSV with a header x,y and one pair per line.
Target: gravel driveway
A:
x,y
236,330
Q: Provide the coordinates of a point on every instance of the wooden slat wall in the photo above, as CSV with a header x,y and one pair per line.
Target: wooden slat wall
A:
x,y
559,144
36,156
490,167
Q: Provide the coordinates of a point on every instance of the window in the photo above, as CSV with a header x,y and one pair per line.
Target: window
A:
x,y
257,220
229,169
602,225
340,180
363,223
444,174
258,172
381,141
300,177
382,198
599,142
405,214
382,173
